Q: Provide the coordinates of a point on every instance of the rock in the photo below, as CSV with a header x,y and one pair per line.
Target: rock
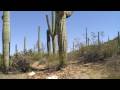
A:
x,y
52,77
31,74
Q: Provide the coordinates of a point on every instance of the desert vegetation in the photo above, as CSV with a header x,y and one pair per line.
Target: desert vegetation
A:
x,y
94,57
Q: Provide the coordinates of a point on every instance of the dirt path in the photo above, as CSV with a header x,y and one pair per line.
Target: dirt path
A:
x,y
73,71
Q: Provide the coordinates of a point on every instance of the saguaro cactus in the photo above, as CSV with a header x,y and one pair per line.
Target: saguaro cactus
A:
x,y
98,38
86,38
6,39
48,42
88,41
108,39
73,46
52,31
62,34
39,47
25,45
16,50
118,43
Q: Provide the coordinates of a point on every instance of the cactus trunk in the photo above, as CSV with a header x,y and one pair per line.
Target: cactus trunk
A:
x,y
52,31
39,40
118,43
86,38
88,41
16,50
48,42
73,46
98,38
54,44
62,37
6,39
25,45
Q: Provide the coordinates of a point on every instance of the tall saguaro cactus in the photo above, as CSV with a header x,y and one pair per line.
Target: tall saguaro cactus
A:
x,y
86,38
6,39
62,34
39,44
24,45
16,49
52,31
48,42
118,42
98,38
39,47
88,41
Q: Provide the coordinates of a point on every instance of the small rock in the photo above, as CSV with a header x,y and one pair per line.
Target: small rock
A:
x,y
31,73
52,77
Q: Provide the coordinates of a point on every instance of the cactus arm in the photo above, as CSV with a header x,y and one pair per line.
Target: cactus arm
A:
x,y
48,42
48,23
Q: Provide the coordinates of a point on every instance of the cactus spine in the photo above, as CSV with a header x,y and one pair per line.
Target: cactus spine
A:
x,y
52,31
6,39
25,45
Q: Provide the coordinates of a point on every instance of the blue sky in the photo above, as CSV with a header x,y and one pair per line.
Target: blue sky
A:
x,y
25,23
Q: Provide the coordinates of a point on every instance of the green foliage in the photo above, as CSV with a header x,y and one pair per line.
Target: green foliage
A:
x,y
53,61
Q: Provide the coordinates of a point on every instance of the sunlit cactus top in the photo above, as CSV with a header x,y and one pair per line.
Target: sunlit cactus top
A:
x,y
67,13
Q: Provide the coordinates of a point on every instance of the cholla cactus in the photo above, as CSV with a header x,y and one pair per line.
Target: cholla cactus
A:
x,y
52,31
6,39
62,34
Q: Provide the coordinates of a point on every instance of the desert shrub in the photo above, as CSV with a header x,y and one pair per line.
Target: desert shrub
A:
x,y
22,65
52,61
93,54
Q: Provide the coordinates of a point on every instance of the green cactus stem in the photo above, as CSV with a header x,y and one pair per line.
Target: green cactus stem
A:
x,y
25,50
86,38
39,47
62,36
6,39
52,31
48,42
